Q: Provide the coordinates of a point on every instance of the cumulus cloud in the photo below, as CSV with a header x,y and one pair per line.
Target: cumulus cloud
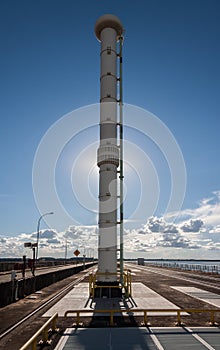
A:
x,y
157,233
192,226
53,240
208,210
194,234
215,229
73,232
171,228
49,234
156,224
195,230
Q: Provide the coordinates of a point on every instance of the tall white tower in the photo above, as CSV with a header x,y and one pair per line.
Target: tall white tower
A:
x,y
108,30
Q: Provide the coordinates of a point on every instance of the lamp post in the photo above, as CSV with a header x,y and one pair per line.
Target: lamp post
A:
x,y
66,247
38,230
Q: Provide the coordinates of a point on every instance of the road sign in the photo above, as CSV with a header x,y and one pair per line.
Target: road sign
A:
x,y
77,252
27,244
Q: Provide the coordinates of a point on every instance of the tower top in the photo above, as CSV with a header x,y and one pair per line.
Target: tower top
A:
x,y
108,21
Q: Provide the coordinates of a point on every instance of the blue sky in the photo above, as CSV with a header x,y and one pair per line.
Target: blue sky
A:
x,y
50,67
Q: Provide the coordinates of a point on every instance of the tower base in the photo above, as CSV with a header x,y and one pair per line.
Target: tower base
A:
x,y
108,290
115,289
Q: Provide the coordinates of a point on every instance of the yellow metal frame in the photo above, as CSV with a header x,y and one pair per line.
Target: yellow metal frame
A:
x,y
32,342
127,282
144,312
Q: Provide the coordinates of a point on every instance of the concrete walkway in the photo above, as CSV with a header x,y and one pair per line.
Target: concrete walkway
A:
x,y
152,338
143,298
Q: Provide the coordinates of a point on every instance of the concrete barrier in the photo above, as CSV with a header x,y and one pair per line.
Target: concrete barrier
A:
x,y
18,289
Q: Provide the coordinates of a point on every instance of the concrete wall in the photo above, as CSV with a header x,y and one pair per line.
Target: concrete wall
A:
x,y
17,264
10,291
6,266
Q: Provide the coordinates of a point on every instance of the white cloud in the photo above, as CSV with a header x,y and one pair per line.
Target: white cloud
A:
x,y
49,234
192,226
208,211
194,235
215,229
156,224
51,242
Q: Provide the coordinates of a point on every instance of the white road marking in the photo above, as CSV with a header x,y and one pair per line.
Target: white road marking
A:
x,y
63,339
204,295
155,340
202,341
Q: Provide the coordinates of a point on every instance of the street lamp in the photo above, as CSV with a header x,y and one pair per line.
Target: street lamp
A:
x,y
66,247
38,230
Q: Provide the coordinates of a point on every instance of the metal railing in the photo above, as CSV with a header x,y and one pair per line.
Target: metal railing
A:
x,y
145,313
206,268
44,330
127,286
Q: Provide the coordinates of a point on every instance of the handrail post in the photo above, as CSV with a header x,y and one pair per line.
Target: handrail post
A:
x,y
43,332
212,317
145,317
34,344
77,318
111,318
45,335
130,291
54,324
178,318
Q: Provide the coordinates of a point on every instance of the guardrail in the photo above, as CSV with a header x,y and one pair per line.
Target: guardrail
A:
x,y
145,313
126,286
32,342
206,268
